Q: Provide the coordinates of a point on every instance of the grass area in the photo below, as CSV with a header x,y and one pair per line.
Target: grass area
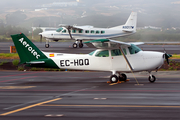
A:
x,y
175,56
1,63
9,56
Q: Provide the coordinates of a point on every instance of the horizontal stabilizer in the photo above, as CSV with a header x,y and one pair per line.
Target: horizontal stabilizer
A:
x,y
35,62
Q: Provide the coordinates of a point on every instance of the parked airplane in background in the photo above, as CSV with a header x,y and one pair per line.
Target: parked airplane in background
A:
x,y
79,33
113,56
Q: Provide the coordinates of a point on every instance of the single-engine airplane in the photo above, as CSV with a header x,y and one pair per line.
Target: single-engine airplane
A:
x,y
114,56
79,33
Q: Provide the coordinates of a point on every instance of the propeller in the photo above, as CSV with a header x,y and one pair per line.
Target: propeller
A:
x,y
41,38
40,34
167,56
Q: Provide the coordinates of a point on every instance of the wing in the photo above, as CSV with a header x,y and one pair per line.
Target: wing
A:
x,y
70,27
106,44
109,44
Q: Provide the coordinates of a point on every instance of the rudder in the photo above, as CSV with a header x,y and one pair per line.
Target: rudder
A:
x,y
26,49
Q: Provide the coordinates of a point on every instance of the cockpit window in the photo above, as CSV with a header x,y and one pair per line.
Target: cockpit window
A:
x,y
104,53
59,29
91,53
134,49
117,52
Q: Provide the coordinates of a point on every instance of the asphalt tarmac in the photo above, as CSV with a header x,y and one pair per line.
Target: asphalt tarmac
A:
x,y
66,47
87,95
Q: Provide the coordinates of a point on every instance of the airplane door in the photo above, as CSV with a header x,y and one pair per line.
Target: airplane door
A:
x,y
117,60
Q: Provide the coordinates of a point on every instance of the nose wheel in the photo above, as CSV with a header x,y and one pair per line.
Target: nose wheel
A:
x,y
47,45
152,78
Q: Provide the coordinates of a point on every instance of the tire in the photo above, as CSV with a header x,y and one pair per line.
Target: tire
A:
x,y
153,79
80,45
113,79
123,78
74,45
47,45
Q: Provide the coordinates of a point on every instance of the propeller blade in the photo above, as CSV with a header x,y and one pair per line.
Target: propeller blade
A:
x,y
41,38
167,56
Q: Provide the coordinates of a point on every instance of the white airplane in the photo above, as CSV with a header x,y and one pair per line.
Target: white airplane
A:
x,y
113,56
79,33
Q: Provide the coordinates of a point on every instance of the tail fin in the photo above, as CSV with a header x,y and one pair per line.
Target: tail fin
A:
x,y
26,49
130,25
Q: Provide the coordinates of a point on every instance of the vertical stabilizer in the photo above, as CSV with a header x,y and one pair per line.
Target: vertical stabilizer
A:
x,y
26,49
130,25
131,22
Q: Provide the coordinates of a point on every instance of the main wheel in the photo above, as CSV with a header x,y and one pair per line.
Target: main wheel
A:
x,y
152,79
113,79
75,45
123,78
47,45
80,45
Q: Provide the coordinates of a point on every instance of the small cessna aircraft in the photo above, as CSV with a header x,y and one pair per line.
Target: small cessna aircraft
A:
x,y
79,33
114,56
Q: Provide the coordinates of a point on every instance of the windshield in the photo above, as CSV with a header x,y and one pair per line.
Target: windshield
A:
x,y
91,53
134,49
59,29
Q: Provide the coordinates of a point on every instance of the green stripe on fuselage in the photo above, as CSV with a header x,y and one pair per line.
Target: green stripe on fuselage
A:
x,y
98,40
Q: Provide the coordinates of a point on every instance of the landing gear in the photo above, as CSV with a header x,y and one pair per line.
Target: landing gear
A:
x,y
113,79
75,45
122,77
80,44
47,43
151,78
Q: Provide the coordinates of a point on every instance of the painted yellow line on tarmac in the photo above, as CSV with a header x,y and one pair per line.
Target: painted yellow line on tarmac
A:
x,y
135,106
30,106
16,87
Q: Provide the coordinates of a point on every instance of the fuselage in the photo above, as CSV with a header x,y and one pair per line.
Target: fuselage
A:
x,y
86,34
109,60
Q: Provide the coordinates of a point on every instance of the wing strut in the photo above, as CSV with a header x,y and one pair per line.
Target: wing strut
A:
x,y
128,63
126,58
69,32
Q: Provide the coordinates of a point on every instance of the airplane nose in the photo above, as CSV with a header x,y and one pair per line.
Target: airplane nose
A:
x,y
153,60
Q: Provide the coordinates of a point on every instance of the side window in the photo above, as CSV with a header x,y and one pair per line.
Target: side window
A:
x,y
97,32
102,32
64,31
125,51
87,31
80,31
73,31
104,53
117,52
92,31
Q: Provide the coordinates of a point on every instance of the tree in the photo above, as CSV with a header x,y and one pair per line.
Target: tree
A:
x,y
37,31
